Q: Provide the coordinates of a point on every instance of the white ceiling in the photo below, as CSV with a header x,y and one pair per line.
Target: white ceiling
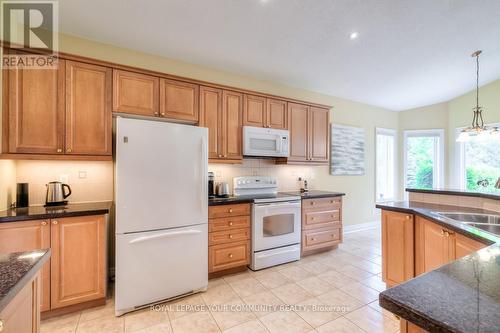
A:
x,y
409,53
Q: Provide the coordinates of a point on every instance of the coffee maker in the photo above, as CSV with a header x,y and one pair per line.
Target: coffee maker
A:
x,y
211,187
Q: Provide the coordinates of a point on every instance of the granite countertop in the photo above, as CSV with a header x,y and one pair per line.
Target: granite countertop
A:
x,y
16,270
40,212
463,296
311,194
428,211
229,200
467,193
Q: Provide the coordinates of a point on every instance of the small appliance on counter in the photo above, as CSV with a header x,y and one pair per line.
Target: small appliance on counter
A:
x,y
56,194
222,190
22,195
211,188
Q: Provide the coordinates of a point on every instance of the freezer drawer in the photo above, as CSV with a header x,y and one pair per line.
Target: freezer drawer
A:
x,y
157,265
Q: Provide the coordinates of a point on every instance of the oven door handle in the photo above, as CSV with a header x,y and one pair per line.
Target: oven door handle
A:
x,y
276,253
281,204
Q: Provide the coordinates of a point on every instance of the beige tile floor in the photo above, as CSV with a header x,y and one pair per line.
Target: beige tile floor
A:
x,y
336,291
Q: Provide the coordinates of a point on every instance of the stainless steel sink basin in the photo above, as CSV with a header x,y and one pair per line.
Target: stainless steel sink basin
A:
x,y
486,222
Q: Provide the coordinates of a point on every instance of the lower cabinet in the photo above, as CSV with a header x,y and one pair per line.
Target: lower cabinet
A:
x,y
321,224
76,271
228,237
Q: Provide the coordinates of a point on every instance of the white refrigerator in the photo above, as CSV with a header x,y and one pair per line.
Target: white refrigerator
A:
x,y
161,212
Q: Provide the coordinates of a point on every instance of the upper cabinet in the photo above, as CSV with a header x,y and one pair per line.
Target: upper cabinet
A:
x,y
221,111
260,111
179,100
88,109
136,93
35,110
309,134
64,111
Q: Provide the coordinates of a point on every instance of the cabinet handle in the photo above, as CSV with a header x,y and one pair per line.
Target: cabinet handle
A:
x,y
312,239
1,325
408,217
163,114
230,255
230,210
230,236
69,150
333,236
230,224
220,155
442,232
312,202
156,113
59,150
312,218
54,222
44,223
331,216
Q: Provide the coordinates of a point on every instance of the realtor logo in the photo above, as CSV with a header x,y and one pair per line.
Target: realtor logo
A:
x,y
29,32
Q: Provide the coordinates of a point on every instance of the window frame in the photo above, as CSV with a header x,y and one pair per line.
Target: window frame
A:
x,y
460,157
394,134
439,154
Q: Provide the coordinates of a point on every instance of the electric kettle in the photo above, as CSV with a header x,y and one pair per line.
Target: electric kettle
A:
x,y
56,194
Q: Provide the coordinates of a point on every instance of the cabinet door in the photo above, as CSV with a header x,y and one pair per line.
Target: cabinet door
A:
x,y
78,264
277,114
179,100
88,109
297,125
136,93
35,110
254,113
465,246
29,236
232,103
318,134
397,247
433,247
211,117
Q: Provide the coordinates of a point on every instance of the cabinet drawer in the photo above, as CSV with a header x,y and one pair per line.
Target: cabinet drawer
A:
x,y
226,223
227,256
315,239
323,203
228,236
323,218
228,210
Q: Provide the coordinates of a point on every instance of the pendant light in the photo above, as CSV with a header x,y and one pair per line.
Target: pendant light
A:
x,y
478,131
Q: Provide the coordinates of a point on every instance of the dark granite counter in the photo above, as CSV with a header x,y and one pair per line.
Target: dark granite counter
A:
x,y
495,196
229,200
40,212
463,296
16,270
428,211
313,194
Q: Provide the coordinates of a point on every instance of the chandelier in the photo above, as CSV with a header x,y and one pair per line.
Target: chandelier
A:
x,y
478,131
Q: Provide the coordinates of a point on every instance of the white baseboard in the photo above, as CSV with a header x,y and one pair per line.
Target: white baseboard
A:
x,y
361,226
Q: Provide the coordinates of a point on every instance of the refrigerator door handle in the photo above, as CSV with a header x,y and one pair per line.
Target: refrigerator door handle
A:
x,y
164,235
204,153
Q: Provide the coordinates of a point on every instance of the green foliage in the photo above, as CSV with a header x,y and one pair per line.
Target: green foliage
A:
x,y
424,176
475,174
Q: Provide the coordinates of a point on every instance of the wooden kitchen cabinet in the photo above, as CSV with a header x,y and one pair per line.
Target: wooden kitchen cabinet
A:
x,y
179,101
465,246
136,93
321,224
309,134
88,109
34,110
28,236
221,113
228,237
78,263
397,247
265,112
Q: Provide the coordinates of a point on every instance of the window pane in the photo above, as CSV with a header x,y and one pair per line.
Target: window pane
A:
x,y
420,162
482,165
385,167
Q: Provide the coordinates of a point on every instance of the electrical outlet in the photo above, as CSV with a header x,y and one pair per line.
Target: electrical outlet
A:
x,y
82,174
64,178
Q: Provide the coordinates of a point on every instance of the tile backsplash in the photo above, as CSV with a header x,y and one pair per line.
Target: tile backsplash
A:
x,y
89,181
286,175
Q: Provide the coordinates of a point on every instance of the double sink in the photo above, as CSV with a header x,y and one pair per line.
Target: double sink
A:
x,y
487,222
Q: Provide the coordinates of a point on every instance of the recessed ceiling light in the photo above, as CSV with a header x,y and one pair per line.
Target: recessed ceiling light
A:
x,y
353,35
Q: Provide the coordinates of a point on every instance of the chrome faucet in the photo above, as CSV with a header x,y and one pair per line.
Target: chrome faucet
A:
x,y
497,185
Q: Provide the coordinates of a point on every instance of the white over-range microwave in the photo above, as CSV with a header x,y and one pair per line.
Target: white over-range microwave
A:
x,y
265,142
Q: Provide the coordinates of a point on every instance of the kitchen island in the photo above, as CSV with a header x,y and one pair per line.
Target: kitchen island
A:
x,y
20,290
443,274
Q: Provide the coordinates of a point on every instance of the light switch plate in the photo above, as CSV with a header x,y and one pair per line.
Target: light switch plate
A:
x,y
82,174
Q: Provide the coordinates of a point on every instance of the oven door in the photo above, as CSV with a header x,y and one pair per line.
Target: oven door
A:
x,y
275,225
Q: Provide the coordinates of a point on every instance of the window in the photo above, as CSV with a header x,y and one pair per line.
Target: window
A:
x,y
423,158
479,163
385,164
